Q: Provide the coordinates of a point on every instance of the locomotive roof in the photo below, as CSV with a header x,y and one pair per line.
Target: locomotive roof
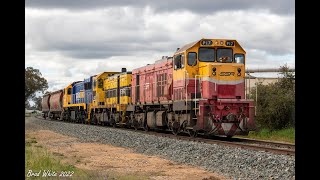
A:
x,y
187,46
97,76
190,45
115,75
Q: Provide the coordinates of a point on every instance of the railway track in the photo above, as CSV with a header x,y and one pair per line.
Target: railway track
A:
x,y
245,143
267,146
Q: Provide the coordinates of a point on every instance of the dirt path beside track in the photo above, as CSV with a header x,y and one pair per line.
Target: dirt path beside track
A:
x,y
113,161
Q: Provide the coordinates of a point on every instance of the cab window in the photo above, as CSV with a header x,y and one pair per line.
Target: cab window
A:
x,y
239,58
87,86
122,92
224,55
179,61
128,92
100,83
192,58
69,90
206,54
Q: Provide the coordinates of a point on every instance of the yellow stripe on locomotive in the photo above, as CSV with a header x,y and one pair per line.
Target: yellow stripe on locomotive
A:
x,y
98,101
125,88
116,86
98,89
110,86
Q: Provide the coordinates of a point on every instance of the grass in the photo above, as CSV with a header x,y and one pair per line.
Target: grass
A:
x,y
285,135
38,158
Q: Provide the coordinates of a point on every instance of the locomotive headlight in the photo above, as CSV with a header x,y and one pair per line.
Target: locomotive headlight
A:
x,y
221,42
214,71
239,71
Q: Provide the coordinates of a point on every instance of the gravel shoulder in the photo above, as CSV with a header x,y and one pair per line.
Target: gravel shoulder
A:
x,y
228,162
108,160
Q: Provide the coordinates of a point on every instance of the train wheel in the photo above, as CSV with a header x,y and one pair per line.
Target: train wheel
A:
x,y
145,127
135,124
94,120
175,131
113,122
176,128
192,133
77,119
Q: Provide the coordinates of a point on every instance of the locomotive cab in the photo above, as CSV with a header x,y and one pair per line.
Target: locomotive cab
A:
x,y
209,88
67,93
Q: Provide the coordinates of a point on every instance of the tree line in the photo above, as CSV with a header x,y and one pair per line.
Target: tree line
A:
x,y
275,105
34,82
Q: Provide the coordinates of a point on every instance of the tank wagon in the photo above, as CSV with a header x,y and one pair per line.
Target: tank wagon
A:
x,y
55,104
45,105
199,89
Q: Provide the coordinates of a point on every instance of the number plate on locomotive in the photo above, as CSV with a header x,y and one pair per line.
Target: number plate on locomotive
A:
x,y
229,43
206,42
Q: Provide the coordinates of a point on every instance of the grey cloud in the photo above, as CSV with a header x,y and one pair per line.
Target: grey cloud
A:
x,y
96,50
129,31
99,34
199,6
67,73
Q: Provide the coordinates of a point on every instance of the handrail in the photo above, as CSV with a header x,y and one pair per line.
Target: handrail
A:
x,y
195,90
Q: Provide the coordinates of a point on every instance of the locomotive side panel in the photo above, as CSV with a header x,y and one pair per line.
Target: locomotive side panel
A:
x,y
88,96
77,93
125,90
152,84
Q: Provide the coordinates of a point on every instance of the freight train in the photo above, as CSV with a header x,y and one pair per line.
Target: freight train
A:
x,y
200,89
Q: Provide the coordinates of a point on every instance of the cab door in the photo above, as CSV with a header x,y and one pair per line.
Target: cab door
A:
x,y
179,76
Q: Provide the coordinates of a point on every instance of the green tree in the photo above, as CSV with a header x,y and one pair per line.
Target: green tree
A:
x,y
34,82
37,102
276,102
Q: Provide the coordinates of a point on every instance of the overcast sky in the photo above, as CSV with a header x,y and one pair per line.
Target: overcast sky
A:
x,y
69,40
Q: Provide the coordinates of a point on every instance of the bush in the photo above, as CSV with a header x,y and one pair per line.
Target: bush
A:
x,y
276,102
